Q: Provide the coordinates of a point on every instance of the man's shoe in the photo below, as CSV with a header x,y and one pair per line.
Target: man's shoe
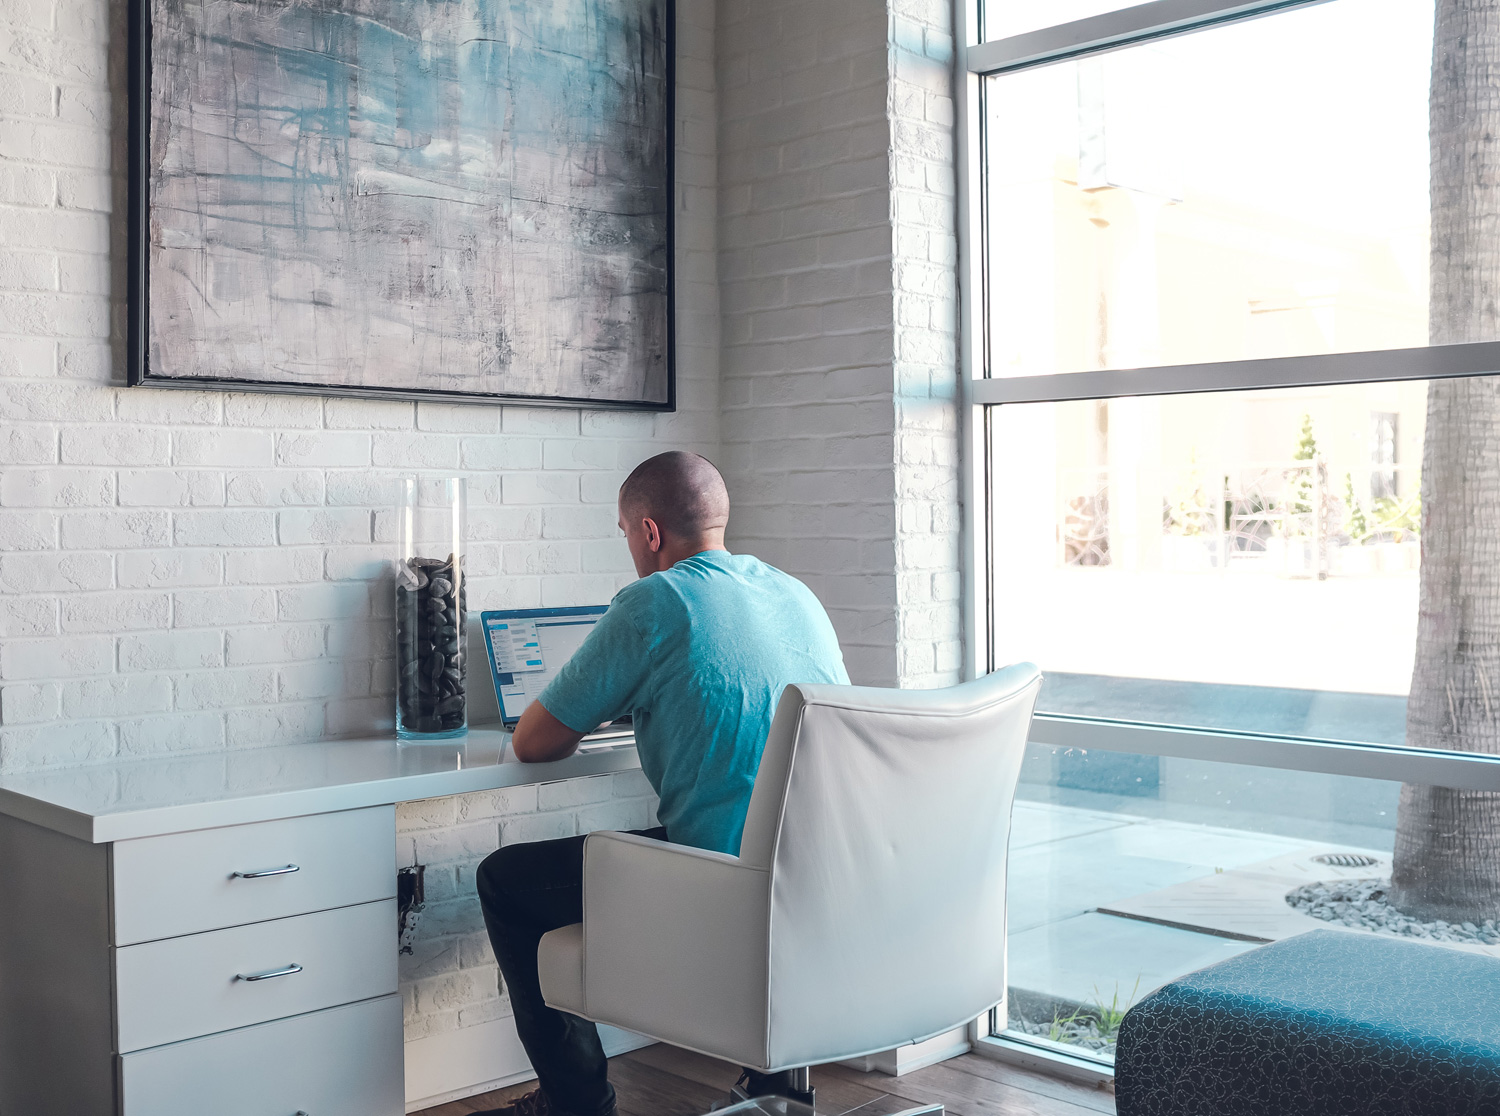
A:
x,y
534,1103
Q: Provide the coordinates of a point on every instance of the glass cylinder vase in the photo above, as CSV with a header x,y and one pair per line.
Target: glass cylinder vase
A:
x,y
431,604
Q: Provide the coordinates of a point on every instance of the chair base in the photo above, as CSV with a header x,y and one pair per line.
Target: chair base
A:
x,y
800,1091
795,1096
740,1105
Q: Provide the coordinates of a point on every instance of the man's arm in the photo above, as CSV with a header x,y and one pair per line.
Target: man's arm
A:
x,y
541,738
597,684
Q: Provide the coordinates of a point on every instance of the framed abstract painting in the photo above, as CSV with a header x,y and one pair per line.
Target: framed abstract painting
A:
x,y
432,199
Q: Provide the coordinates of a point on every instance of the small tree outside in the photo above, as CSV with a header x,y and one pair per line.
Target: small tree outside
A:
x,y
1307,450
1355,524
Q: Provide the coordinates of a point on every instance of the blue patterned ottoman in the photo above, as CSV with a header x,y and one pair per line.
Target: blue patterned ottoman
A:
x,y
1323,1024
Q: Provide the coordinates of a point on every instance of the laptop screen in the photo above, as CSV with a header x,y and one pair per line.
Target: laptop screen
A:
x,y
528,646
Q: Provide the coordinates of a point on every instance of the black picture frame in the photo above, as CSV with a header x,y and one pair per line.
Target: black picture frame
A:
x,y
138,370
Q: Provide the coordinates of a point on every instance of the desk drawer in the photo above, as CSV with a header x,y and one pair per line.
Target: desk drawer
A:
x,y
184,883
186,987
342,1062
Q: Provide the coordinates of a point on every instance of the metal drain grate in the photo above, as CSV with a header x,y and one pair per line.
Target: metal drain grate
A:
x,y
1346,860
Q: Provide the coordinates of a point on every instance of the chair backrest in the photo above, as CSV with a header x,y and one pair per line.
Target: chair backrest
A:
x,y
884,817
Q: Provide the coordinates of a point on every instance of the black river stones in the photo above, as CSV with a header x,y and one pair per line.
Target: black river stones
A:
x,y
431,666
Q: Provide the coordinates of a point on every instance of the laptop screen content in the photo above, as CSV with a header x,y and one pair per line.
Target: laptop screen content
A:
x,y
528,646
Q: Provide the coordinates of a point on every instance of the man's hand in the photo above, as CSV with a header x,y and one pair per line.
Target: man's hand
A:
x,y
541,738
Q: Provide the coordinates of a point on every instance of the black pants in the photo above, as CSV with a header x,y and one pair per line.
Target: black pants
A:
x,y
525,891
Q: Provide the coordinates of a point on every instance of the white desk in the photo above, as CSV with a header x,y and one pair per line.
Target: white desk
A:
x,y
140,895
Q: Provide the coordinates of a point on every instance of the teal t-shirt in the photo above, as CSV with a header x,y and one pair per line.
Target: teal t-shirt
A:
x,y
698,655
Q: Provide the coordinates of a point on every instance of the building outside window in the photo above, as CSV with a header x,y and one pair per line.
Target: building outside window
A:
x,y
1385,449
1235,481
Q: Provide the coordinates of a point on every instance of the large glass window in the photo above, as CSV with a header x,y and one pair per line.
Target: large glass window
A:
x,y
1231,285
1233,560
1257,189
1129,871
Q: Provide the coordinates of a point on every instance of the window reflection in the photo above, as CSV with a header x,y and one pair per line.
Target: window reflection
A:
x,y
1129,871
1130,225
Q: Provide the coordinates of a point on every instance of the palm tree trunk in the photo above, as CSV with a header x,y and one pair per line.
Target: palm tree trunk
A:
x,y
1447,862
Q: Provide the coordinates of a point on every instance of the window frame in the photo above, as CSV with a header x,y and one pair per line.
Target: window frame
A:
x,y
975,60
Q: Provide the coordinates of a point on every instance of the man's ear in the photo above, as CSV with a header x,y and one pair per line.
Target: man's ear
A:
x,y
653,535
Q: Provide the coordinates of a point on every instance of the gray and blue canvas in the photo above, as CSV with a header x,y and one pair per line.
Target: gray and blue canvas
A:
x,y
445,195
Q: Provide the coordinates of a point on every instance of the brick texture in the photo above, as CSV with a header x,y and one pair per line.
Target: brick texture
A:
x,y
929,638
218,561
449,979
805,266
195,571
198,571
837,290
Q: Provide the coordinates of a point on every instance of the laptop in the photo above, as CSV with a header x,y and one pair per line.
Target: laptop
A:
x,y
527,647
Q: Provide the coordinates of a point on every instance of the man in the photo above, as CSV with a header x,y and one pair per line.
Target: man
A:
x,y
697,651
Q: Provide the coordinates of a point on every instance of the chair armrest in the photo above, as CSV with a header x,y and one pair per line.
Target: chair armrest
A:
x,y
675,944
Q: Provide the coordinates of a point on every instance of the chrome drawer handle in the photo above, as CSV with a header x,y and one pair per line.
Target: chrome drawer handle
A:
x,y
264,872
288,971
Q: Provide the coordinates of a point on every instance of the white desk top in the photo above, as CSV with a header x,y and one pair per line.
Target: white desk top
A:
x,y
147,797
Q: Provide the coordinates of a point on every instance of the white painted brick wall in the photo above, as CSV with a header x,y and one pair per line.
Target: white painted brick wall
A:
x,y
449,979
836,259
805,264
926,372
211,558
192,571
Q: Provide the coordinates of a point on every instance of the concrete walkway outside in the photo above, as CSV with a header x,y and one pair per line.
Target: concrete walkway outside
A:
x,y
1106,906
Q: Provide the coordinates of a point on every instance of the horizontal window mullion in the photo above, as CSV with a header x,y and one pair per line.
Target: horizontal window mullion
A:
x,y
1434,362
1014,1048
1114,29
1462,770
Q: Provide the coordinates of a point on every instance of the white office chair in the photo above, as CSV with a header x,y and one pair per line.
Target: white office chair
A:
x,y
866,909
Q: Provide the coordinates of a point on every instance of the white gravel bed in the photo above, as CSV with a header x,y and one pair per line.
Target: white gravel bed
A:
x,y
1363,904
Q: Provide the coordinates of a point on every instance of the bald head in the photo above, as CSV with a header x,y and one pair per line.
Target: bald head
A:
x,y
681,491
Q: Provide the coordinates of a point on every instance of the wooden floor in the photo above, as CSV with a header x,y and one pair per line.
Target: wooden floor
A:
x,y
664,1081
